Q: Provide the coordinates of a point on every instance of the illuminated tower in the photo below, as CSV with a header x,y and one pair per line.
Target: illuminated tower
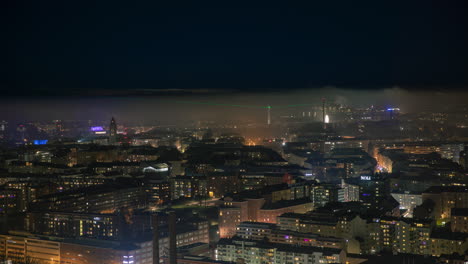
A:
x,y
323,114
112,132
268,117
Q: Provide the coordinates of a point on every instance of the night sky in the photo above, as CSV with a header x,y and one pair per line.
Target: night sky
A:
x,y
104,47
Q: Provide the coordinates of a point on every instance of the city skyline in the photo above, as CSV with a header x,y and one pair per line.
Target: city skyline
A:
x,y
212,132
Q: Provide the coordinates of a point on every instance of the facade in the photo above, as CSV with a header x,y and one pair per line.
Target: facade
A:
x,y
350,192
158,191
189,187
219,185
446,198
95,199
408,201
75,224
271,232
20,246
254,230
10,201
232,213
321,194
412,237
257,252
459,220
444,242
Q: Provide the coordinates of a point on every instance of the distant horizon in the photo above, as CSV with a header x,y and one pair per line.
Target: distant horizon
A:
x,y
186,105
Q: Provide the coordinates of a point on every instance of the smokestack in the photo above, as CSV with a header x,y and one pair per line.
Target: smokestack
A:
x,y
172,238
155,223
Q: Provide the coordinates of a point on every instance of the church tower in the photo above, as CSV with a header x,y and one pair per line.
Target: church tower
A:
x,y
112,132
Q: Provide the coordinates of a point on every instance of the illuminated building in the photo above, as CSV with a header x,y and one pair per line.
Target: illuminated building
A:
x,y
444,242
67,250
408,201
101,226
191,259
321,194
104,198
451,151
10,201
445,198
250,181
24,248
218,184
233,212
45,249
324,224
372,188
254,230
304,239
459,220
350,191
412,236
81,180
271,232
189,186
158,191
3,129
464,158
257,252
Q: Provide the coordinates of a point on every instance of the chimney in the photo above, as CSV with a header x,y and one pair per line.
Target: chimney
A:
x,y
155,223
172,238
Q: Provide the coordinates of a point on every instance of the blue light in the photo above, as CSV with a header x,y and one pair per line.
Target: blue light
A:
x,y
40,142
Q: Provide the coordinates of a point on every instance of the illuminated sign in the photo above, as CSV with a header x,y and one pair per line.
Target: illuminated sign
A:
x,y
40,141
152,169
366,178
393,109
97,128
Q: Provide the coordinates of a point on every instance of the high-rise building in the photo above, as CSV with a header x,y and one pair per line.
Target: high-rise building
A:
x,y
112,132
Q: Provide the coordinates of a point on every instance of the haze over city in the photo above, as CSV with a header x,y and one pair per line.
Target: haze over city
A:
x,y
219,133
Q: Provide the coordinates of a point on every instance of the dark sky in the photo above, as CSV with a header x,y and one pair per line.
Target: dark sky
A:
x,y
83,47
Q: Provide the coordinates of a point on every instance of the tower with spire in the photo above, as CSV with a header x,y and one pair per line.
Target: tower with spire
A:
x,y
113,132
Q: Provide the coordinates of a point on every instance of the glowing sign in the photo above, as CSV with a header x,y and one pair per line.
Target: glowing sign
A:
x,y
152,169
366,178
393,109
40,142
97,128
